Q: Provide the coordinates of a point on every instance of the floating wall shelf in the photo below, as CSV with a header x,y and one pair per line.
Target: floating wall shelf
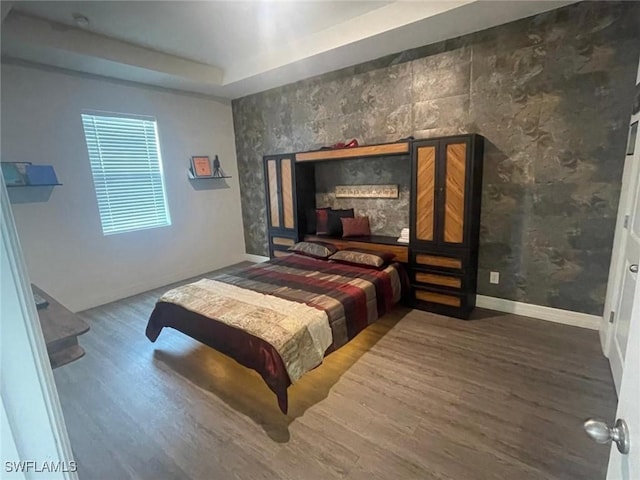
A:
x,y
28,183
193,177
35,186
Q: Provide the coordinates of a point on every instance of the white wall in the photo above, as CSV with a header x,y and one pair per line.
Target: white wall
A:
x,y
66,252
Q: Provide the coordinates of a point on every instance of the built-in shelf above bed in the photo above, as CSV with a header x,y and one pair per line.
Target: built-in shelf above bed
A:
x,y
444,179
396,148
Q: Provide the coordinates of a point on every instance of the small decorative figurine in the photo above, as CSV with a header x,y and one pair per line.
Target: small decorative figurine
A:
x,y
217,171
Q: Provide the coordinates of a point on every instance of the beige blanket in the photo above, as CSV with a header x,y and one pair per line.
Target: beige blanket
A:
x,y
300,333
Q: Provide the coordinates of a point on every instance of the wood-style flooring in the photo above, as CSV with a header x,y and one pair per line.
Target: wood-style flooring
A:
x,y
414,396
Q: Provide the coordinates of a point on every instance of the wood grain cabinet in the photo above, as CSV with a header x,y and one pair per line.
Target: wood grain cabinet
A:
x,y
288,196
446,182
445,223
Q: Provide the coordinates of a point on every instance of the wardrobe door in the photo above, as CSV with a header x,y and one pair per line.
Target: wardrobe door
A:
x,y
445,223
454,180
273,194
281,203
286,188
425,155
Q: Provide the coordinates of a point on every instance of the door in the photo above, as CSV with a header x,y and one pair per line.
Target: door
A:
x,y
273,193
453,187
441,177
286,188
627,466
281,203
623,302
623,336
423,228
280,193
624,352
32,427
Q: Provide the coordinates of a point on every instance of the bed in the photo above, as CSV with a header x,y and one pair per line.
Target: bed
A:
x,y
280,317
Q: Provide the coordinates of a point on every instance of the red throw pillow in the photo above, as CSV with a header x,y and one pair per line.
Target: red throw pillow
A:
x,y
355,227
311,219
322,222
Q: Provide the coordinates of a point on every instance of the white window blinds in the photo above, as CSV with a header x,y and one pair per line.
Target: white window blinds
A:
x,y
127,172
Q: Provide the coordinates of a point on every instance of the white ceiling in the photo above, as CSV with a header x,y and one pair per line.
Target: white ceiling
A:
x,y
234,48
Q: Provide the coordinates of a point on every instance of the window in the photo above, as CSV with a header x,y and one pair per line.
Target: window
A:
x,y
127,172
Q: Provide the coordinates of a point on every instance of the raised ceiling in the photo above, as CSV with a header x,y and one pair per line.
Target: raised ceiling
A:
x,y
234,48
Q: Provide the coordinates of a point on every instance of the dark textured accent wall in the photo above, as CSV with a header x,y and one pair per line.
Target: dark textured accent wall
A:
x,y
552,94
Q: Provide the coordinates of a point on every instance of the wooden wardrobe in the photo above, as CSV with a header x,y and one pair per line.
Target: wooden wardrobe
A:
x,y
445,223
446,182
290,192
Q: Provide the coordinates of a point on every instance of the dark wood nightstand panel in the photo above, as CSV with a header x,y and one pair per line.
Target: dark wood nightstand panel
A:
x,y
283,241
433,297
438,261
438,280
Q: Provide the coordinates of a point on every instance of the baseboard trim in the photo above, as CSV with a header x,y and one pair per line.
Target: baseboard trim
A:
x,y
557,315
250,257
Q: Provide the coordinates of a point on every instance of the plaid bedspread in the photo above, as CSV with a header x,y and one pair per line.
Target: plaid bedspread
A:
x,y
299,333
351,297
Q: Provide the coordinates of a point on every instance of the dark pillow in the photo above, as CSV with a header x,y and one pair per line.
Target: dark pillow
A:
x,y
322,222
355,227
334,225
320,250
311,219
363,258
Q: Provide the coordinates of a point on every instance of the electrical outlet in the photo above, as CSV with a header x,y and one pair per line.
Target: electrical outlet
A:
x,y
494,277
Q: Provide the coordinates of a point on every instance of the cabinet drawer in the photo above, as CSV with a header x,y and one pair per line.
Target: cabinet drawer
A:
x,y
280,253
450,300
283,241
438,279
441,261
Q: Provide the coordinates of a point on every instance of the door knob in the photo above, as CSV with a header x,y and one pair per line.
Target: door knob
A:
x,y
633,268
602,433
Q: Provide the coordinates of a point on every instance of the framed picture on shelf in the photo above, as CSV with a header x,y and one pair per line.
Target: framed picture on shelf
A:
x,y
15,173
201,166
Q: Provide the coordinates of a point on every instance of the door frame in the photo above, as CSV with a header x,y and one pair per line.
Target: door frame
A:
x,y
31,406
631,171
